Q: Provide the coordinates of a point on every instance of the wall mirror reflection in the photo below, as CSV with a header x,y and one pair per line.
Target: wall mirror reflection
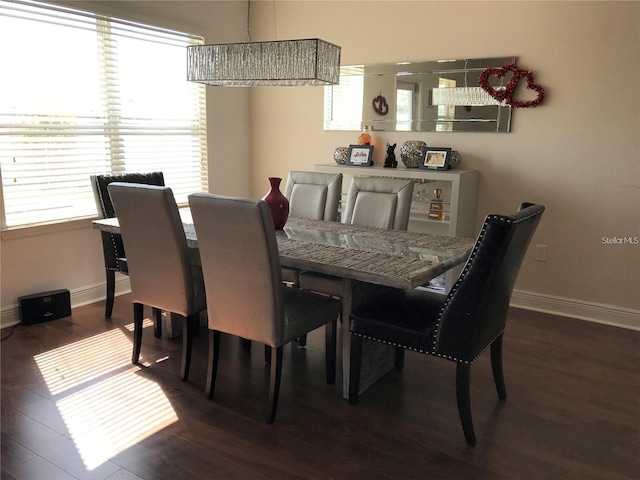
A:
x,y
433,96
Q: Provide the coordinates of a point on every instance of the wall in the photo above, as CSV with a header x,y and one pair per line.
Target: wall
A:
x,y
578,153
70,255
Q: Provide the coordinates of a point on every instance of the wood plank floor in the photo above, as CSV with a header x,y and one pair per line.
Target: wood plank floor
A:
x,y
74,407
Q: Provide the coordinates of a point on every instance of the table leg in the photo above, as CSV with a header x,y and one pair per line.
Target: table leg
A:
x,y
171,325
377,358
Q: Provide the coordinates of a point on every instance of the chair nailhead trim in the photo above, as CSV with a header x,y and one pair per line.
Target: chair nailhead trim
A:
x,y
104,214
473,254
433,353
455,287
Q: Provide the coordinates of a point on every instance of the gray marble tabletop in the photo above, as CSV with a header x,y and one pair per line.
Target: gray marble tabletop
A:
x,y
393,258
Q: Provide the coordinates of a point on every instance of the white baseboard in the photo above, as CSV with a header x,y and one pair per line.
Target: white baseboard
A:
x,y
10,315
566,307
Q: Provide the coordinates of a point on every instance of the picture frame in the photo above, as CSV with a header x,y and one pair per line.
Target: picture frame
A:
x,y
435,158
360,155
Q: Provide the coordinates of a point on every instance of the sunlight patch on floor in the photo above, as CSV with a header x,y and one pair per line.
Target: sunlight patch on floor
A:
x,y
113,415
147,322
106,405
74,364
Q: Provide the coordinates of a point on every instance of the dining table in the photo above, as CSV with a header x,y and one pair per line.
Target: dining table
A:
x,y
370,262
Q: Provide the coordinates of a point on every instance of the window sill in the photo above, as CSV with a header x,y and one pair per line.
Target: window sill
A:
x,y
13,233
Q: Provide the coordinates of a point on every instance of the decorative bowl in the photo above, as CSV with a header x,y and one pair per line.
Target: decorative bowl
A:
x,y
340,155
411,152
454,161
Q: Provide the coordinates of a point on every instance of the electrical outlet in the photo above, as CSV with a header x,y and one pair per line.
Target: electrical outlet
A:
x,y
540,254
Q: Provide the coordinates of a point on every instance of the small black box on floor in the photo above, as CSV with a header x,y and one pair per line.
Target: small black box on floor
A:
x,y
45,306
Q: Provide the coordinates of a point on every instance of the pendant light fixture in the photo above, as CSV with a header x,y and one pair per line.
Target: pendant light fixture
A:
x,y
277,63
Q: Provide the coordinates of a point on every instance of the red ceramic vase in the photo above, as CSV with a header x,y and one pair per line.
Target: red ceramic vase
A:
x,y
278,203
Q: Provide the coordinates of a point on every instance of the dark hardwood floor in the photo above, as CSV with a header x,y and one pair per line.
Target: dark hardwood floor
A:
x,y
74,407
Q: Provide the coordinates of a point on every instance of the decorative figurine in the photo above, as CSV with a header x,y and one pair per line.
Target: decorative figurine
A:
x,y
390,159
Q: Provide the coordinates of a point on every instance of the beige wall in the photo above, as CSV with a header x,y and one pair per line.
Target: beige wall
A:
x,y
578,153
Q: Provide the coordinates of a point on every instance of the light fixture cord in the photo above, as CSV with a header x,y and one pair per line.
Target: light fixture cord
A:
x,y
248,16
275,29
466,70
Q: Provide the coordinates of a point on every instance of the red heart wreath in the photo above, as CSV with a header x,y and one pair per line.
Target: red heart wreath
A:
x,y
506,95
380,105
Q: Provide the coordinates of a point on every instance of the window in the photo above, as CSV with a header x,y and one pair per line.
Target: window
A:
x,y
446,112
343,103
405,105
84,94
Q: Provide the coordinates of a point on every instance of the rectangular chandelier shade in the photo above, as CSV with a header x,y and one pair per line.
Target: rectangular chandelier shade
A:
x,y
463,96
253,64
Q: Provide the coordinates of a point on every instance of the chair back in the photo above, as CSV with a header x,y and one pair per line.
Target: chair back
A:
x,y
159,266
99,183
475,310
241,267
112,242
314,195
379,202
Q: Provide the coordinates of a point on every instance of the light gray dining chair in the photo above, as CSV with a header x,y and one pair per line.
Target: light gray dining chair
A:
x,y
379,202
371,202
115,258
244,287
160,270
313,195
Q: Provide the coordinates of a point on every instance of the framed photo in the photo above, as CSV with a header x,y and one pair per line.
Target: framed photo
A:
x,y
435,158
360,155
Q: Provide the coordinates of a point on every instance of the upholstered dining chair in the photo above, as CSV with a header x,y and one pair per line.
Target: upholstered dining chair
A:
x,y
461,325
244,287
160,268
312,195
379,202
371,202
115,259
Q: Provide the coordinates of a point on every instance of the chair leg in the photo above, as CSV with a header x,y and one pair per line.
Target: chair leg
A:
x,y
267,354
302,339
330,351
214,356
111,292
463,383
157,322
355,362
496,366
274,383
138,316
188,329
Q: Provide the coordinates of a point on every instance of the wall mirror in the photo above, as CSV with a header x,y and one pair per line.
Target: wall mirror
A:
x,y
434,96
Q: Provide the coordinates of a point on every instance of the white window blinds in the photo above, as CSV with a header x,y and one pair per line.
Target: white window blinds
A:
x,y
343,102
84,94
